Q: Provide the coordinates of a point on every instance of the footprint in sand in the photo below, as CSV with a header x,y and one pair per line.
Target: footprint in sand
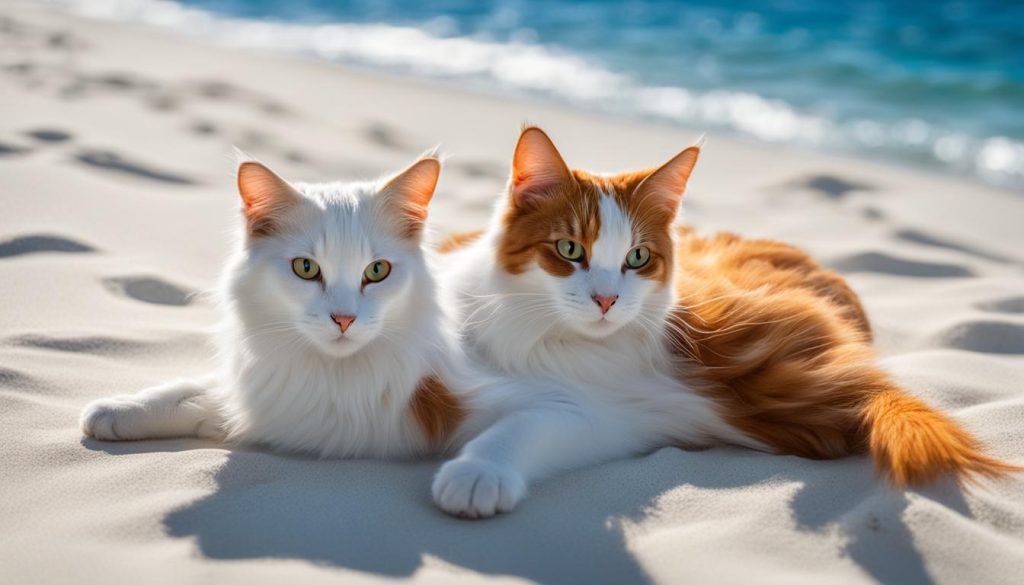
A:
x,y
381,134
985,337
22,68
112,161
296,156
481,169
924,239
886,264
49,135
1012,305
149,290
255,139
203,128
216,90
38,243
872,213
163,101
219,90
65,41
12,149
273,108
120,81
830,186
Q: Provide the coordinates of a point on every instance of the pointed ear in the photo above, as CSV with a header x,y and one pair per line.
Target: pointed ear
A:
x,y
407,194
537,168
265,197
663,188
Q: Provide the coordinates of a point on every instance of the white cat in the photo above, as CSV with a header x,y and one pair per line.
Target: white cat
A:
x,y
333,342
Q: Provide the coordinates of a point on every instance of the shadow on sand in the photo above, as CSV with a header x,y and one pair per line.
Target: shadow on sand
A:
x,y
377,517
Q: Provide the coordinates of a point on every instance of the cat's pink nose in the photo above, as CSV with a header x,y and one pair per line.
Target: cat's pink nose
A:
x,y
605,301
343,321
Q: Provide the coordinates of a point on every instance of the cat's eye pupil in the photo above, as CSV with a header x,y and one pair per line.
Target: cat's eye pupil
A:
x,y
569,250
638,257
376,271
306,268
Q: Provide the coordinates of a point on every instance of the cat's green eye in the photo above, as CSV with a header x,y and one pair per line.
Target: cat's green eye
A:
x,y
638,257
306,269
377,271
569,250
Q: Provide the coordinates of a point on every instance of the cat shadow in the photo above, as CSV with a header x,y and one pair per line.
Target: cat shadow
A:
x,y
377,517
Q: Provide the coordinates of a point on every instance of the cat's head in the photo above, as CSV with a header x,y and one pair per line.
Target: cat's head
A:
x,y
598,248
333,265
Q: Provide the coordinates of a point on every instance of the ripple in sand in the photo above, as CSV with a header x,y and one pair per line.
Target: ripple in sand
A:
x,y
109,160
985,337
38,243
1010,305
924,239
149,290
15,379
91,344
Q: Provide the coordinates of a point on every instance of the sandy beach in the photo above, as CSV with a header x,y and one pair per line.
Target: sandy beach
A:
x,y
116,207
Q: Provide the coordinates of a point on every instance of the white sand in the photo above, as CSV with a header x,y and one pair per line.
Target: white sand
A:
x,y
119,209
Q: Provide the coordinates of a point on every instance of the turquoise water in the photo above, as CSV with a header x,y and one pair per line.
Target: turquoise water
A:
x,y
932,84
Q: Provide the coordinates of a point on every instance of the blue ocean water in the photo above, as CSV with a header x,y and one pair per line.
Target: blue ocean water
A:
x,y
936,84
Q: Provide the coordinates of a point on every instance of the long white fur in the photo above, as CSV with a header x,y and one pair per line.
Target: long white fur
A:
x,y
600,389
286,382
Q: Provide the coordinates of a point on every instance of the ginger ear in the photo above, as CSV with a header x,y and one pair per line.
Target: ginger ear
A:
x,y
407,194
537,168
265,197
663,188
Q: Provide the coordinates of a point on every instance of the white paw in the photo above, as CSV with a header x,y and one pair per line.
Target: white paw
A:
x,y
117,418
472,488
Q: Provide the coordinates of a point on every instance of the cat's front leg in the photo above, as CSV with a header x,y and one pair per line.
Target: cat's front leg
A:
x,y
492,472
180,408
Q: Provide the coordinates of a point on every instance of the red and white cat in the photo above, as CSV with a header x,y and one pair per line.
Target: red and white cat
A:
x,y
656,336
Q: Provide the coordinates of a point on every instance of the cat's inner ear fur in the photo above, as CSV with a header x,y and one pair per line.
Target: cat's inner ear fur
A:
x,y
538,170
664,187
407,195
265,197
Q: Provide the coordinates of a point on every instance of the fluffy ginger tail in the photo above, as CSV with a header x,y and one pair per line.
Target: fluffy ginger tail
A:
x,y
915,445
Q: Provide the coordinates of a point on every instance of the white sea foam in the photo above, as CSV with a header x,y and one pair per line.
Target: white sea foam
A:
x,y
524,67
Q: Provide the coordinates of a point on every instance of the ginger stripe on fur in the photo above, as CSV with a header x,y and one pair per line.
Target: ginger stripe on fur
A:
x,y
436,409
783,347
458,241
